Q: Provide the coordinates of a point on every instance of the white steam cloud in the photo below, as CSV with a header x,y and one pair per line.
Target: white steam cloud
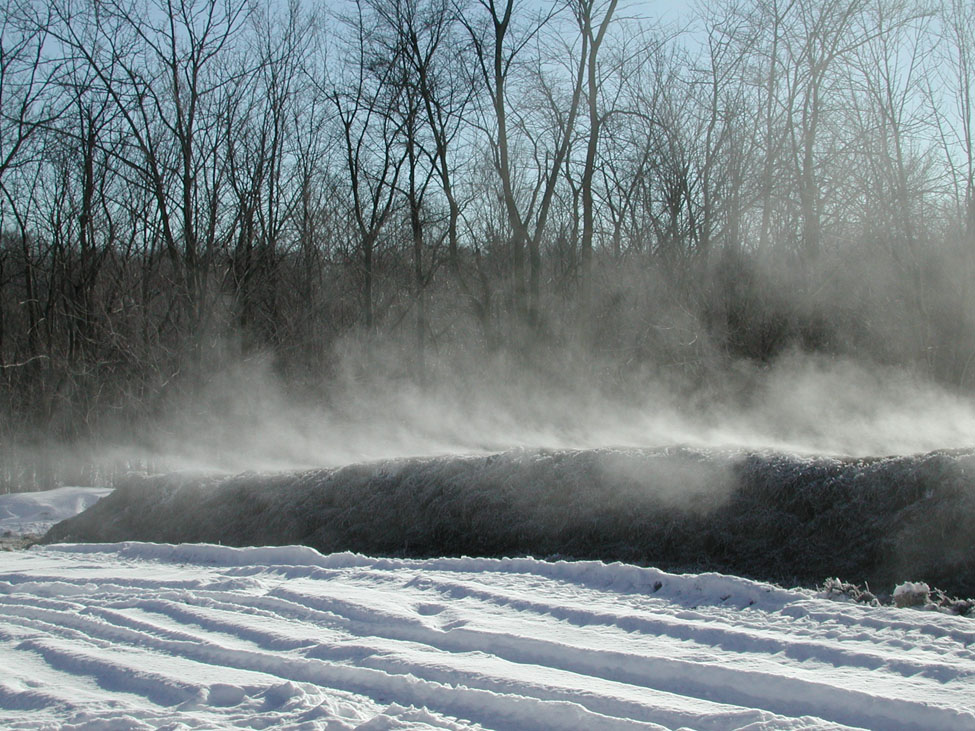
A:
x,y
242,420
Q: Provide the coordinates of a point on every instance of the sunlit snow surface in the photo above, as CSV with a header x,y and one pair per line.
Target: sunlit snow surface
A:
x,y
142,635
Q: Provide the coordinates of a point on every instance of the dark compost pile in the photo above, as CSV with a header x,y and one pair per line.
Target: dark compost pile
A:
x,y
778,517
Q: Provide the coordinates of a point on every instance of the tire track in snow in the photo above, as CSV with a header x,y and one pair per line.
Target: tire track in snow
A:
x,y
203,650
382,659
20,582
542,653
111,674
26,699
514,644
956,629
362,653
704,631
734,686
479,704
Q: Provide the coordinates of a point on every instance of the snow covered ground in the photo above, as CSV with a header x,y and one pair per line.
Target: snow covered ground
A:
x,y
145,635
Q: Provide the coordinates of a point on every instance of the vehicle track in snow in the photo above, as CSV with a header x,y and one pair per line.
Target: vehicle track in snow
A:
x,y
151,635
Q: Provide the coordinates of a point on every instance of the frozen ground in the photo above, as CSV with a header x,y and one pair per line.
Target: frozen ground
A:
x,y
144,635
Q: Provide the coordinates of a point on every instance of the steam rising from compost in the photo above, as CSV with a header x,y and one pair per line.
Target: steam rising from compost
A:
x,y
243,420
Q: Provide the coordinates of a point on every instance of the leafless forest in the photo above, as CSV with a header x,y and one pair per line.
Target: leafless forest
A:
x,y
415,191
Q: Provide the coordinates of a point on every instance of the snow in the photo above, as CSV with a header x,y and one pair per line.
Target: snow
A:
x,y
150,635
911,594
911,587
33,513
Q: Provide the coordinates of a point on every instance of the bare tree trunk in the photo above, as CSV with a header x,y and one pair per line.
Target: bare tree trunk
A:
x,y
585,18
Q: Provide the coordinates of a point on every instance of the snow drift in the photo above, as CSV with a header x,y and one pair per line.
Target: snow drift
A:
x,y
778,517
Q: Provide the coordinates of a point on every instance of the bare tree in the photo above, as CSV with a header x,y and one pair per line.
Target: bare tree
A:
x,y
260,119
27,106
956,117
528,210
594,29
161,64
365,100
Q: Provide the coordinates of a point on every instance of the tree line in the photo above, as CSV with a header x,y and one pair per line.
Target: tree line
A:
x,y
186,182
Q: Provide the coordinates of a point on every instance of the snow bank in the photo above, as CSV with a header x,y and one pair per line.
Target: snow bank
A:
x,y
780,518
299,561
